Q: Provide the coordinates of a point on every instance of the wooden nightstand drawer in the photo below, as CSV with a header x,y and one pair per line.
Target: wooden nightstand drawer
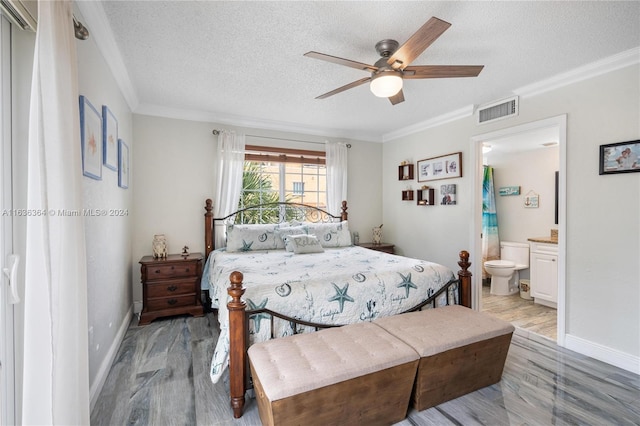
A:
x,y
171,288
171,302
158,272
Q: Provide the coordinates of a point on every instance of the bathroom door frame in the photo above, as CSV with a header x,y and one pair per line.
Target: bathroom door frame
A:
x,y
559,123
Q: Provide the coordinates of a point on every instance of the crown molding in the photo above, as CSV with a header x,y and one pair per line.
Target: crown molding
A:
x,y
95,19
240,121
432,122
594,69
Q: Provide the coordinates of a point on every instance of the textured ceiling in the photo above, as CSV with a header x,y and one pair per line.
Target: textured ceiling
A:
x,y
242,62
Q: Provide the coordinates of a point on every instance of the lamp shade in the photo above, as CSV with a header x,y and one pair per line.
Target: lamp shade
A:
x,y
386,84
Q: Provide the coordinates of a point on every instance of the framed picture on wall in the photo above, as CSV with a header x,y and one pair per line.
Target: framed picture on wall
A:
x,y
443,167
109,138
90,137
123,164
448,194
621,157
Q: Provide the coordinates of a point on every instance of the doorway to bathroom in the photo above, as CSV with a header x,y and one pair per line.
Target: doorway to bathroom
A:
x,y
525,160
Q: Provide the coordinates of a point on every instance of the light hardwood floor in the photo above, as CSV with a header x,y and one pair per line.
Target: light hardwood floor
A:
x,y
522,313
161,377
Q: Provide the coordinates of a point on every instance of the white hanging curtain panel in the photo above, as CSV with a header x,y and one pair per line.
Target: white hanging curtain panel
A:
x,y
230,165
56,367
336,162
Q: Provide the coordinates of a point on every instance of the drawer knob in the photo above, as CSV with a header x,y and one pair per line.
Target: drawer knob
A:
x,y
172,301
157,271
187,269
172,288
173,267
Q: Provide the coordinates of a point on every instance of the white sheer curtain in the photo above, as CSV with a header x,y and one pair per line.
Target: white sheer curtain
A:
x,y
336,176
56,367
230,164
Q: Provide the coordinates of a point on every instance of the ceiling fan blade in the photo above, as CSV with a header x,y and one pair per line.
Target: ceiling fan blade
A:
x,y
441,71
341,61
397,98
346,87
418,42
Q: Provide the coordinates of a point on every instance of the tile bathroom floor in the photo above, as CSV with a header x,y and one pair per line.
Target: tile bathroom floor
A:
x,y
522,313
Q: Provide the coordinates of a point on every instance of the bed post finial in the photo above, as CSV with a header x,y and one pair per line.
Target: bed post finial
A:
x,y
237,343
344,215
208,227
465,279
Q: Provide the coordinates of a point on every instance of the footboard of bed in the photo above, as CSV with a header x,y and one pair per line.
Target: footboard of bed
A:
x,y
239,326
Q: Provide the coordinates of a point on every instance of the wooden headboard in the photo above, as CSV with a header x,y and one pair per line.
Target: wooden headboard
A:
x,y
281,212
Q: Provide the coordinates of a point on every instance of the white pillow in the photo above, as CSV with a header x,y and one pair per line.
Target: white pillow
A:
x,y
304,244
283,233
242,237
331,234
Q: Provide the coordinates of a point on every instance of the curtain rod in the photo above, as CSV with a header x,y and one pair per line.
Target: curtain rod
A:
x,y
217,132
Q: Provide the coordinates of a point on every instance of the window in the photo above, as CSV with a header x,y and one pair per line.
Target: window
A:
x,y
285,175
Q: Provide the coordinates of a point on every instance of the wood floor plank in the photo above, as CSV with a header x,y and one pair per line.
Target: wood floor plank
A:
x,y
161,377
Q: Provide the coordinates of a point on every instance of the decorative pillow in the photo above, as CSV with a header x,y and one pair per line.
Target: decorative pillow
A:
x,y
304,244
331,234
254,237
283,233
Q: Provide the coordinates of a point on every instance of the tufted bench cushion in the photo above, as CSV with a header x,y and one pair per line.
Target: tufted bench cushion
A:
x,y
461,350
356,374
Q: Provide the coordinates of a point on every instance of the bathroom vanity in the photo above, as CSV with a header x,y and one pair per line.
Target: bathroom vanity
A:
x,y
544,270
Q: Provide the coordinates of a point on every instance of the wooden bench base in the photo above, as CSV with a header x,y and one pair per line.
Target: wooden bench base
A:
x,y
379,398
459,371
461,351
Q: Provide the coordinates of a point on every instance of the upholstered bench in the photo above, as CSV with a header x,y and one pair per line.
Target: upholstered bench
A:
x,y
461,350
356,374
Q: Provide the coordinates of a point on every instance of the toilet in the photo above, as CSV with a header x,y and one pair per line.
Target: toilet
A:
x,y
505,273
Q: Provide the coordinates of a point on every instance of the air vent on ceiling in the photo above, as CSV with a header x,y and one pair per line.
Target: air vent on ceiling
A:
x,y
498,110
23,13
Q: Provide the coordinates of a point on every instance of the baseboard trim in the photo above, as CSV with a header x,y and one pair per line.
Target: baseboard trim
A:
x,y
103,372
605,354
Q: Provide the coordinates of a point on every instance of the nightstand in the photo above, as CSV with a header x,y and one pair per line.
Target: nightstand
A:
x,y
170,286
384,247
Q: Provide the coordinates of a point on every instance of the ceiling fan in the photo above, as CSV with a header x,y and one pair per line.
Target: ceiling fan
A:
x,y
394,65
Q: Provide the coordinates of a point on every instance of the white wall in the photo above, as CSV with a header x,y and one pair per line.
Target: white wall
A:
x,y
173,175
532,170
108,238
603,244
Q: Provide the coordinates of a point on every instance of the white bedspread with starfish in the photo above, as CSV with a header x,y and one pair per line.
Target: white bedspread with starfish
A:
x,y
340,286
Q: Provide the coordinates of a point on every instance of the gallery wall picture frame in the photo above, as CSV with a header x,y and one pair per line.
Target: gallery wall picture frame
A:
x,y
448,194
621,157
443,167
123,164
531,200
90,137
109,138
509,190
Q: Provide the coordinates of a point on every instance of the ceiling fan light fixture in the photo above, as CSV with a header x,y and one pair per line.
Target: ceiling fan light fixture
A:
x,y
386,84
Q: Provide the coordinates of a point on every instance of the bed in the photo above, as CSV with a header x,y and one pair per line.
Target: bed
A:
x,y
301,273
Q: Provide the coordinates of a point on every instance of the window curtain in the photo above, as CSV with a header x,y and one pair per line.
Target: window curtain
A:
x,y
230,165
490,240
336,162
56,366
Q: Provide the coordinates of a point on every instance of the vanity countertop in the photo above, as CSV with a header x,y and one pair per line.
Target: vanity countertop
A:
x,y
547,240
